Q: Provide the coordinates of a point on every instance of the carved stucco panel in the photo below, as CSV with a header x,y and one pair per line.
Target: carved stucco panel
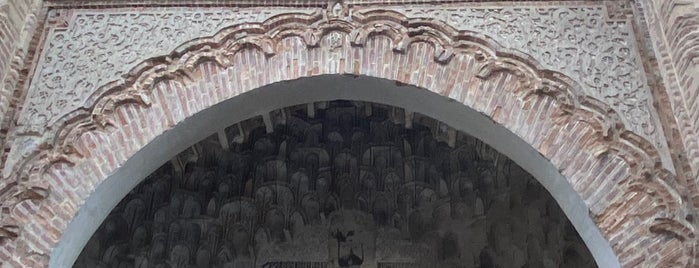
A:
x,y
580,42
99,47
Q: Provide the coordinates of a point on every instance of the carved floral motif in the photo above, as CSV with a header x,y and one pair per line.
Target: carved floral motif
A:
x,y
577,41
101,47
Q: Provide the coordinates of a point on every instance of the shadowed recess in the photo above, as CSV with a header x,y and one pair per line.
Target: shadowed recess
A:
x,y
338,184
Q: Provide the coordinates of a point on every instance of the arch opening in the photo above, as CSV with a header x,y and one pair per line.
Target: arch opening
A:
x,y
318,89
338,184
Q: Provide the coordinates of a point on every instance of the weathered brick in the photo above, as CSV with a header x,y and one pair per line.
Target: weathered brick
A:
x,y
567,144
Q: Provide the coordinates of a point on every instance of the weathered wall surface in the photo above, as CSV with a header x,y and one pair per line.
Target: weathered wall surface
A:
x,y
674,30
18,21
672,25
90,52
99,47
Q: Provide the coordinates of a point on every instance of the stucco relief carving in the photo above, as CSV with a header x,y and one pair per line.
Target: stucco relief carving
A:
x,y
100,47
579,42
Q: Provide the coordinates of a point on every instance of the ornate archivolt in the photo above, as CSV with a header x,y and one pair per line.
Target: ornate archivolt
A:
x,y
101,47
69,96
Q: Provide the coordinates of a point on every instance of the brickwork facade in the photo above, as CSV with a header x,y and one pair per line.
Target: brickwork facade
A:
x,y
673,27
18,22
587,106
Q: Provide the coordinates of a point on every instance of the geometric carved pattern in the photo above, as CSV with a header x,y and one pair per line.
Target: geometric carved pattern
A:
x,y
346,181
640,176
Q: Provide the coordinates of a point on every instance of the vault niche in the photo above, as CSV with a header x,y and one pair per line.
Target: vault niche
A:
x,y
338,184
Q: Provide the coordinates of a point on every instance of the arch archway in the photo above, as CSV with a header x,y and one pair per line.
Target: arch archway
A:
x,y
610,173
316,89
399,189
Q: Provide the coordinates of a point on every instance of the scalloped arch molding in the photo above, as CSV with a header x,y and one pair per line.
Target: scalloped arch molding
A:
x,y
113,83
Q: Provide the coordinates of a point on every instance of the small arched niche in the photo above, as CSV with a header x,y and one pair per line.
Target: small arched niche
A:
x,y
338,184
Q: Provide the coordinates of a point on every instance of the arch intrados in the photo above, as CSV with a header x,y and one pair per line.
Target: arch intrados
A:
x,y
325,88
